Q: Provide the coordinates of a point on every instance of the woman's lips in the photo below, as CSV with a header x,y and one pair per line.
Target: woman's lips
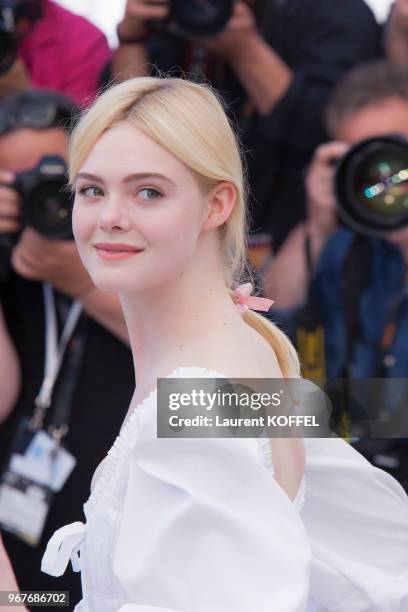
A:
x,y
113,252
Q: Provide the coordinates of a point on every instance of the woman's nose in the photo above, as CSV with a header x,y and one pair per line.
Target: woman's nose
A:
x,y
114,215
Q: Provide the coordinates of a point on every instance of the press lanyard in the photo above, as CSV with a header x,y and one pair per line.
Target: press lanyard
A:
x,y
390,331
54,351
310,337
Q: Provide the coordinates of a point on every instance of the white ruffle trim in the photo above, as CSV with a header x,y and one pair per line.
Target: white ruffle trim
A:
x,y
129,435
124,442
266,451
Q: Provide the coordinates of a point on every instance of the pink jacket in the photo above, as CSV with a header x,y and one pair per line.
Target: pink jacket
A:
x,y
65,52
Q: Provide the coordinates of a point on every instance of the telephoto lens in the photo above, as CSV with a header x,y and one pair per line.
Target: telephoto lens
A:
x,y
371,184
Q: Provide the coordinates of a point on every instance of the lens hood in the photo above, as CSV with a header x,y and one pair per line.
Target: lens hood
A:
x,y
371,185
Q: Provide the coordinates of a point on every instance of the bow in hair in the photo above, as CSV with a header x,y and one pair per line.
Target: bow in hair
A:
x,y
245,301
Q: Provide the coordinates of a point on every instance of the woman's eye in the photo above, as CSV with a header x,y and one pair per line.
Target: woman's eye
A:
x,y
91,191
149,193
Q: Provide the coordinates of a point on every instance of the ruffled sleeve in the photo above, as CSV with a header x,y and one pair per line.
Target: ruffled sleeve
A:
x,y
356,516
204,527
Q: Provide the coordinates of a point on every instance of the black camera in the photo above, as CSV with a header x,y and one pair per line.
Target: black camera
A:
x,y
371,185
191,18
15,19
46,203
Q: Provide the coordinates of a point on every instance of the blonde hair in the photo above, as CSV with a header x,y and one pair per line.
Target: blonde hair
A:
x,y
188,120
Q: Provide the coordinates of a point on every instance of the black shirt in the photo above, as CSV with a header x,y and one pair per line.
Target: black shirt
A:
x,y
319,40
100,403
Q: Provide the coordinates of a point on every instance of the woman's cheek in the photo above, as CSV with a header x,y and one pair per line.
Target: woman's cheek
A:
x,y
77,233
180,252
82,228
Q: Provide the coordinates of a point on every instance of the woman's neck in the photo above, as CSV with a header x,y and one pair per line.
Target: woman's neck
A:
x,y
171,326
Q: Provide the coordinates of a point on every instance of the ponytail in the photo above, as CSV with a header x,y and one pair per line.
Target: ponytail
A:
x,y
285,351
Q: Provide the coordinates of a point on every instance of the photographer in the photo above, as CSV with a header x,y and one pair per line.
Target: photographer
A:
x,y
275,64
46,45
341,293
372,100
67,335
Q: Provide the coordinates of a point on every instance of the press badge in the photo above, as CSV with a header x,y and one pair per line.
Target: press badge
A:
x,y
38,467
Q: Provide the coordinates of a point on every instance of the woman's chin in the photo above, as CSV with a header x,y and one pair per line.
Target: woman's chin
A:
x,y
126,282
113,285
109,287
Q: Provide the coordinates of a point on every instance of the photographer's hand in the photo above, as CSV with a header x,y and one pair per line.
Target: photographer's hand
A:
x,y
239,33
57,262
137,13
287,277
321,200
53,261
396,33
264,75
10,212
130,58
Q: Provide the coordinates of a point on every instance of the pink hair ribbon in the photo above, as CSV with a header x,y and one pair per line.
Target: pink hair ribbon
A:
x,y
245,301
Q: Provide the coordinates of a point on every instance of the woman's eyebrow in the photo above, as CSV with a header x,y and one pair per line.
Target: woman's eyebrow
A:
x,y
146,175
88,177
127,179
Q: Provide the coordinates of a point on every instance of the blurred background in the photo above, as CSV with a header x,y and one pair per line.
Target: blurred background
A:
x,y
106,14
318,92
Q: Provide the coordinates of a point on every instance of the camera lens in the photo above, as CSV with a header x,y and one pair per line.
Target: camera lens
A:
x,y
49,210
372,185
201,17
46,202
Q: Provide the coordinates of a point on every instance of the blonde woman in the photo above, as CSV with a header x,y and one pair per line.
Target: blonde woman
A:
x,y
206,525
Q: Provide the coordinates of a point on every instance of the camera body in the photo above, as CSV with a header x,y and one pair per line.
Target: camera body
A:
x,y
15,17
45,201
46,205
196,18
371,185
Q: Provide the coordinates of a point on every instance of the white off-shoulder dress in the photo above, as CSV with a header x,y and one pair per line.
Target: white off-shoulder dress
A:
x,y
201,525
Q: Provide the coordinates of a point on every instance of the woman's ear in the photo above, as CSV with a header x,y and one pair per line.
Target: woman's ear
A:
x,y
221,202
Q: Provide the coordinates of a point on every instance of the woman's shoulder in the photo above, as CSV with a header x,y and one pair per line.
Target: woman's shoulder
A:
x,y
219,368
247,355
200,369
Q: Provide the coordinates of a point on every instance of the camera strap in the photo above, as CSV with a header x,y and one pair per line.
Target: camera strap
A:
x,y
197,63
310,340
54,351
38,465
355,278
386,359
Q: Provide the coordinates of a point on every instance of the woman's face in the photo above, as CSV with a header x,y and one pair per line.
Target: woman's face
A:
x,y
138,212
